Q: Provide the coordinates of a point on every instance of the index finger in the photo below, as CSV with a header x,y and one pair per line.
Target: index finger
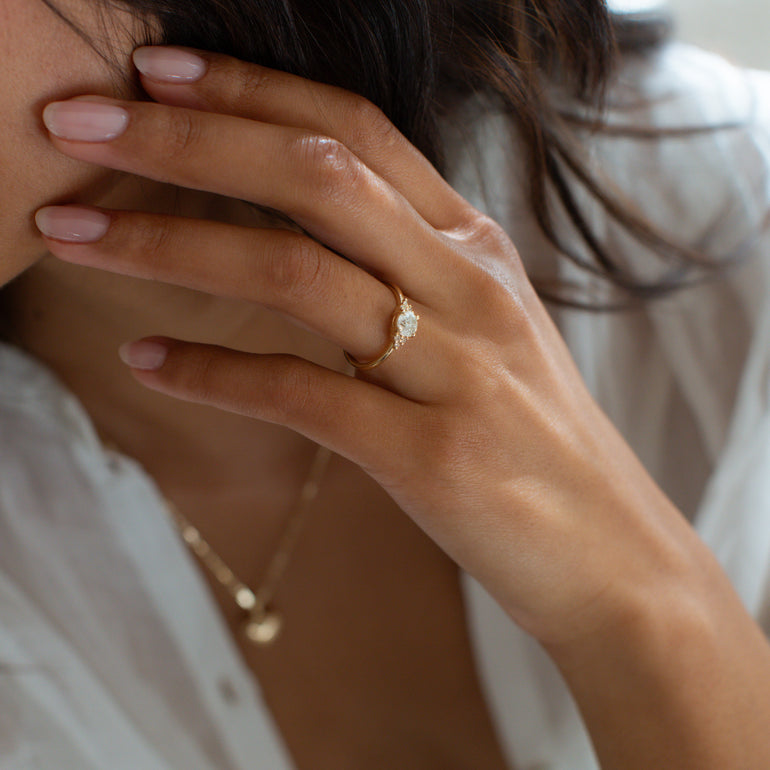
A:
x,y
313,179
213,82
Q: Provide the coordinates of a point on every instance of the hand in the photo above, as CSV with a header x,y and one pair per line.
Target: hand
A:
x,y
479,427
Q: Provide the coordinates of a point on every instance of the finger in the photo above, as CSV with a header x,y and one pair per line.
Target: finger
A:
x,y
358,420
313,179
280,269
235,87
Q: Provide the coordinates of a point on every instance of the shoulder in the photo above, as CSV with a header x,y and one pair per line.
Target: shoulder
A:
x,y
687,144
683,85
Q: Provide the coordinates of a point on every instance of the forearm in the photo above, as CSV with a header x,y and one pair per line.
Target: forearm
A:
x,y
682,681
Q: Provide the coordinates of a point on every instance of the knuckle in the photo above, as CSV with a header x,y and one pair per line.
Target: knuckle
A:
x,y
182,134
489,234
333,171
295,270
154,238
199,377
288,390
370,127
248,82
493,270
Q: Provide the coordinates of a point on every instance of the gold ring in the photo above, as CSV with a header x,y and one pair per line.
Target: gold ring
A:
x,y
403,325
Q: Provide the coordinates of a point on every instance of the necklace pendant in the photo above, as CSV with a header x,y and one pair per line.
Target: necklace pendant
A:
x,y
263,627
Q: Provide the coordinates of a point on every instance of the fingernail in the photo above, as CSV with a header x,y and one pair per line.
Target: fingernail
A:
x,y
72,223
82,121
144,354
169,65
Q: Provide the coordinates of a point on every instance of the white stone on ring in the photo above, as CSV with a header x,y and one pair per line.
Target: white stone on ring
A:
x,y
403,325
406,324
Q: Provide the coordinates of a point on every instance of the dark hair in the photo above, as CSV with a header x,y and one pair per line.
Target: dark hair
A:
x,y
415,59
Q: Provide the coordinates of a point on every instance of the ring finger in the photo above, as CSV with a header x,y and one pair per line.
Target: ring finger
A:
x,y
280,269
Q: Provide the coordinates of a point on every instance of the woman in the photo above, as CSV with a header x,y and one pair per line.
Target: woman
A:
x,y
129,213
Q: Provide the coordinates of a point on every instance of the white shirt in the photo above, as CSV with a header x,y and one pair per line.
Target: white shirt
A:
x,y
113,654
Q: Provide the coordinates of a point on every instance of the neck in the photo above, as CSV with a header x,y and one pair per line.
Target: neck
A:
x,y
74,319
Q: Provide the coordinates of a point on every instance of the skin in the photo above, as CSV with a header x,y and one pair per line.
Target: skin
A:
x,y
32,76
52,306
496,450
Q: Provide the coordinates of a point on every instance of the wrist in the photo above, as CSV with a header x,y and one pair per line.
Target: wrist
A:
x,y
677,677
645,613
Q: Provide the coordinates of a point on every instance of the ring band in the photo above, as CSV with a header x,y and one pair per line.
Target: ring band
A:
x,y
403,325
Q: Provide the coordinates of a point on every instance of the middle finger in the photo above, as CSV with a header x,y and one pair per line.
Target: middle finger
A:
x,y
313,179
279,269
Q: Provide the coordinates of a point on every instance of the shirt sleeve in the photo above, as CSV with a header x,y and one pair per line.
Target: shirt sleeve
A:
x,y
711,191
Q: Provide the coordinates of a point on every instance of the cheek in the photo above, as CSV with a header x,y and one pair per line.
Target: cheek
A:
x,y
43,60
31,177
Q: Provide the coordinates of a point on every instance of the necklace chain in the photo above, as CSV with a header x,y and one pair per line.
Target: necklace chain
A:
x,y
263,622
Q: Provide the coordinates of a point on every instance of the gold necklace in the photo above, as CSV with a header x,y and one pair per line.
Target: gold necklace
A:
x,y
263,622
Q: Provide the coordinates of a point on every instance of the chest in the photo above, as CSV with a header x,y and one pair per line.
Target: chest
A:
x,y
373,666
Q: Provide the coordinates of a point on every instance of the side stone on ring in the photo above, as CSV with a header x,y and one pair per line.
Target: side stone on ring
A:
x,y
403,325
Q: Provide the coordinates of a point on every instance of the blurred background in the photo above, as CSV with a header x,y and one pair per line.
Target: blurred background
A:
x,y
738,29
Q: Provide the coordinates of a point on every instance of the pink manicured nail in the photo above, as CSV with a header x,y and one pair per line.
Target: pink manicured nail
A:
x,y
81,121
144,354
72,223
169,65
